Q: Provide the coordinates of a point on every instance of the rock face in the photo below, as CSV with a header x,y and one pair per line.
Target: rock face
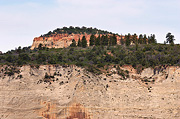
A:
x,y
70,92
62,40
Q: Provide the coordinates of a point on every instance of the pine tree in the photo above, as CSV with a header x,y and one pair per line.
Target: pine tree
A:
x,y
73,44
106,40
92,40
152,39
140,39
84,42
102,40
97,41
110,40
114,40
170,38
122,40
79,43
144,39
127,38
134,38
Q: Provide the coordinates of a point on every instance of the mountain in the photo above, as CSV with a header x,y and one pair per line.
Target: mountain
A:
x,y
117,77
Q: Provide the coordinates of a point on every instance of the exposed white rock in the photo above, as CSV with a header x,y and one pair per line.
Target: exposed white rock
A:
x,y
72,92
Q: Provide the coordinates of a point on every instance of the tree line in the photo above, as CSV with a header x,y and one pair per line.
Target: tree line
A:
x,y
76,30
111,40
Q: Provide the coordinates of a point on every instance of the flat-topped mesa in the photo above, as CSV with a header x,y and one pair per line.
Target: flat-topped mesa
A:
x,y
63,40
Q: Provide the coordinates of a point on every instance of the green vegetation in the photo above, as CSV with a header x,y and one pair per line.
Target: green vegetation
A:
x,y
79,43
76,30
84,42
92,40
170,38
73,43
96,58
103,52
111,40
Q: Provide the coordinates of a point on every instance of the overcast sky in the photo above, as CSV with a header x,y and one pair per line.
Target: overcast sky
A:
x,y
22,20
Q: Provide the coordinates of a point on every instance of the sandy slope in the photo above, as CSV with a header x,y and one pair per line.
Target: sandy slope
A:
x,y
75,93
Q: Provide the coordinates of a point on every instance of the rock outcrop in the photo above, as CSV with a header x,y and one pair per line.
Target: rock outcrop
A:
x,y
70,92
62,40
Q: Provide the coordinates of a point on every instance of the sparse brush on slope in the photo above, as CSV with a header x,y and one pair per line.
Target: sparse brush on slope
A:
x,y
95,58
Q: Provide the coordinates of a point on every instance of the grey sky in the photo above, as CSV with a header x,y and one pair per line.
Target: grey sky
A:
x,y
22,20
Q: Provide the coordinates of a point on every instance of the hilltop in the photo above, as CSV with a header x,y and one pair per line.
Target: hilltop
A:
x,y
64,37
77,30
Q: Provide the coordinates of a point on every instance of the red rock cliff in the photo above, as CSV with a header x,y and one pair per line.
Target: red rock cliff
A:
x,y
62,40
